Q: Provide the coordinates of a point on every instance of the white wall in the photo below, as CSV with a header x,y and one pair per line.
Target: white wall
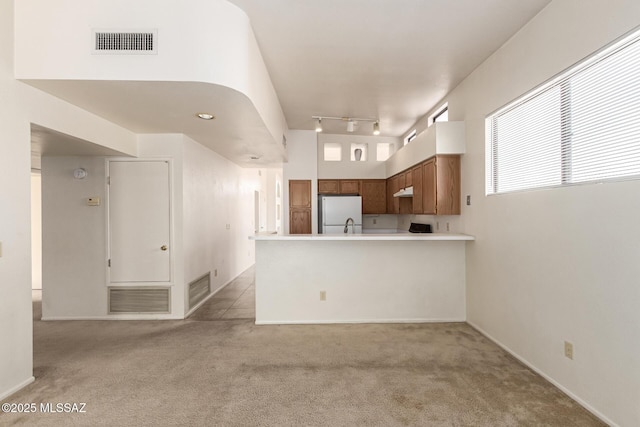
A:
x,y
559,264
345,169
272,176
51,43
20,106
302,164
217,192
288,285
208,192
439,138
73,239
36,228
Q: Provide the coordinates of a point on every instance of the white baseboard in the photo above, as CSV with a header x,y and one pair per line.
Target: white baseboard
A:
x,y
17,388
562,388
114,317
356,321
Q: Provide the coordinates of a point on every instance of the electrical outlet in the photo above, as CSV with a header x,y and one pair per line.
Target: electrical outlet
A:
x,y
437,226
468,200
215,273
228,226
323,295
375,221
448,227
568,350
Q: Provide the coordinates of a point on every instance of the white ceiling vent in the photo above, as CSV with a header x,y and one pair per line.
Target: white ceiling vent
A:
x,y
125,42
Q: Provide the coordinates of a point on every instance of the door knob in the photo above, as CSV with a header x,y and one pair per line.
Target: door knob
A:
x,y
163,247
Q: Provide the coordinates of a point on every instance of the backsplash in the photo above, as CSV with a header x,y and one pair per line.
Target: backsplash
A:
x,y
402,222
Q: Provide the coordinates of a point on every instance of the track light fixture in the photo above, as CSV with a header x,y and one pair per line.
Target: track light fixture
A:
x,y
351,123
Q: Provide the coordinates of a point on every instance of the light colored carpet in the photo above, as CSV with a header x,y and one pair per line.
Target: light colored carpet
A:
x,y
234,373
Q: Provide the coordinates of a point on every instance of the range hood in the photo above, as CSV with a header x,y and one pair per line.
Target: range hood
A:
x,y
405,192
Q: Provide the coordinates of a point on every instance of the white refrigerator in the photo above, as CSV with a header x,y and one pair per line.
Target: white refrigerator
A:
x,y
336,210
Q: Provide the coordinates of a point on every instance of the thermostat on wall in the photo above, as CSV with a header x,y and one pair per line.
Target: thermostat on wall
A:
x,y
93,201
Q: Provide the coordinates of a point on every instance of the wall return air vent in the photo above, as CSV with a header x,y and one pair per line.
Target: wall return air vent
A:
x,y
110,42
144,300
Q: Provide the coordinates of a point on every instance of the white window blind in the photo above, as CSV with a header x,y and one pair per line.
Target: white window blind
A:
x,y
584,126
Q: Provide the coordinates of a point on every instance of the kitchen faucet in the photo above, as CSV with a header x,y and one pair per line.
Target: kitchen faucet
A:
x,y
346,226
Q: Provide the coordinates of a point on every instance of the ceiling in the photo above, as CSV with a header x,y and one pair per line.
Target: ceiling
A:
x,y
392,60
387,59
48,142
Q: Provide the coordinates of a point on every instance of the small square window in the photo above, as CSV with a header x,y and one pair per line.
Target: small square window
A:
x,y
358,152
384,150
441,115
332,152
412,135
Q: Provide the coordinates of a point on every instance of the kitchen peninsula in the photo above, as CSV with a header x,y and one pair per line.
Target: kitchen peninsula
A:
x,y
360,278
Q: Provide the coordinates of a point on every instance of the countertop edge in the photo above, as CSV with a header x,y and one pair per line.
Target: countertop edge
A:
x,y
365,237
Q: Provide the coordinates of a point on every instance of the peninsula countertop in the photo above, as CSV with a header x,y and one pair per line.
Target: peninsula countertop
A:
x,y
365,237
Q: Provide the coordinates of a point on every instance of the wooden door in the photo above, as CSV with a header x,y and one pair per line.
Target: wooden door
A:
x,y
429,187
299,207
139,222
374,196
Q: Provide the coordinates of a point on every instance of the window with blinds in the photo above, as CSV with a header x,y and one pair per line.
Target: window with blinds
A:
x,y
583,126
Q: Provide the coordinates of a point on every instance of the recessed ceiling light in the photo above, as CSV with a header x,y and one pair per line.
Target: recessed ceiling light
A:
x,y
206,116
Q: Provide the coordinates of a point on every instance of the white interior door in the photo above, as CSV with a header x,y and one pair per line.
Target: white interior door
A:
x,y
139,221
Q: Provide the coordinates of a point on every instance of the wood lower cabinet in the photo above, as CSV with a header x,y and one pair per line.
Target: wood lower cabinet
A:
x,y
299,207
374,196
300,221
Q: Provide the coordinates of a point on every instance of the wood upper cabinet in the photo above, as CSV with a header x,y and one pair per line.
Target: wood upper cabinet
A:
x,y
300,194
328,186
299,207
349,186
408,178
374,196
448,185
416,180
401,183
393,203
441,185
429,187
338,186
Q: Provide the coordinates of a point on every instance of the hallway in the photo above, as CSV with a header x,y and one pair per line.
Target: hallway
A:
x,y
237,300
